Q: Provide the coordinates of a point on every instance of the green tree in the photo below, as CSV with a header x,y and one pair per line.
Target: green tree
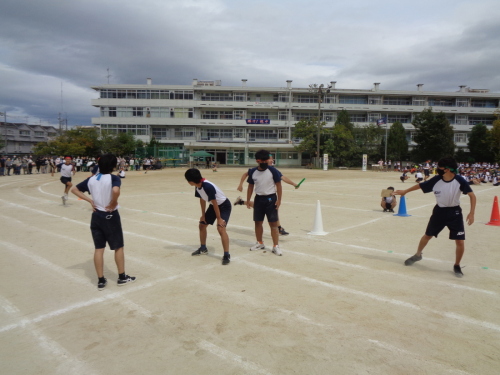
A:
x,y
118,144
434,136
397,144
344,119
495,140
2,143
368,139
479,143
79,141
307,130
342,146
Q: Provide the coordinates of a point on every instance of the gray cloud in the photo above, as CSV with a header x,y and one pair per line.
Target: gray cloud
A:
x,y
398,43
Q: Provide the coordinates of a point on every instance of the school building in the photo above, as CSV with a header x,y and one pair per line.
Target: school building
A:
x,y
232,122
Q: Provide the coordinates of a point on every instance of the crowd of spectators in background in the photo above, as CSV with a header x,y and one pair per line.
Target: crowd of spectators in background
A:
x,y
22,165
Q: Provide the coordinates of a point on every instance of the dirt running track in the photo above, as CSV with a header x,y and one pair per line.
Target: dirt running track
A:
x,y
342,303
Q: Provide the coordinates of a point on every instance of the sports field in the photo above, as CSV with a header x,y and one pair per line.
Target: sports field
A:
x,y
343,303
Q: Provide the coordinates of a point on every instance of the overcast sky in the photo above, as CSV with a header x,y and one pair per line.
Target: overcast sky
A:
x,y
49,46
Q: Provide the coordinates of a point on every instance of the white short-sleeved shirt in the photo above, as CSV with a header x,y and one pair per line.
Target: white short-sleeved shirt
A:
x,y
100,187
264,181
447,193
209,191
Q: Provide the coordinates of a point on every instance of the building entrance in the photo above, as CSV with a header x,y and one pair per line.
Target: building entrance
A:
x,y
220,156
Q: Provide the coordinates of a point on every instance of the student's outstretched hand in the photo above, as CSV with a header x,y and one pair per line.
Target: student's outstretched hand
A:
x,y
399,192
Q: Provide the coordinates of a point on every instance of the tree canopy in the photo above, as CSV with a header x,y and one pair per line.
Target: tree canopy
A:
x,y
479,143
87,142
434,136
397,144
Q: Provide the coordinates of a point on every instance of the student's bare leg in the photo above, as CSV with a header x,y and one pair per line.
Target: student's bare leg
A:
x,y
459,251
224,238
120,260
259,231
203,234
393,204
68,186
275,234
423,243
99,262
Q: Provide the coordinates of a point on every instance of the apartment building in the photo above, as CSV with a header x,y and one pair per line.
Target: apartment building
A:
x,y
232,122
19,138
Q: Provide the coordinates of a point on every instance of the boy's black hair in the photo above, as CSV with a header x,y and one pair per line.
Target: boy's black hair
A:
x,y
448,163
193,175
390,188
107,163
262,155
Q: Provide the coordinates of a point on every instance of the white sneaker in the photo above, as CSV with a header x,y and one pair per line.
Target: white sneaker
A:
x,y
257,246
64,199
277,250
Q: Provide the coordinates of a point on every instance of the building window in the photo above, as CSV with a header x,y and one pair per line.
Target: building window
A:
x,y
305,116
460,137
441,102
419,101
239,115
397,101
39,134
346,99
240,96
288,155
357,117
259,115
24,133
329,116
263,134
373,117
159,133
238,133
306,98
283,134
473,120
405,119
483,103
137,111
181,94
217,96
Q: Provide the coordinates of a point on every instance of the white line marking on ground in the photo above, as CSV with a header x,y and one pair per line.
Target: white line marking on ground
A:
x,y
226,355
414,356
70,364
419,279
464,319
79,305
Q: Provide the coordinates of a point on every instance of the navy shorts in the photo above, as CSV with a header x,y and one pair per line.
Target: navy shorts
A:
x,y
225,212
106,227
450,217
265,206
426,172
65,180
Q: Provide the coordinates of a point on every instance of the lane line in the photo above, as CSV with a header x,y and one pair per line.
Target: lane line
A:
x,y
228,356
69,363
375,297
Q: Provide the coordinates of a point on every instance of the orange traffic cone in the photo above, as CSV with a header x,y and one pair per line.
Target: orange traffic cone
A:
x,y
495,214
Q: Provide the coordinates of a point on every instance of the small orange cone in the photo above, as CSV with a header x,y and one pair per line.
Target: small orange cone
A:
x,y
495,214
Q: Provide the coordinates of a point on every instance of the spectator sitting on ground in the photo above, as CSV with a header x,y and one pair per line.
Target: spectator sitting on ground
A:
x,y
388,203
